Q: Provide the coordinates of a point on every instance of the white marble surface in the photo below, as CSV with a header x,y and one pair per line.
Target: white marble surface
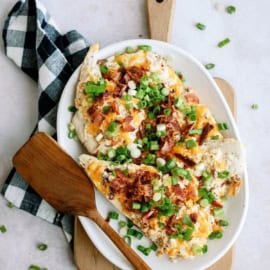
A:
x,y
244,63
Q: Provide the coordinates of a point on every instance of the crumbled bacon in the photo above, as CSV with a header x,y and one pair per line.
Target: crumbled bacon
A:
x,y
217,204
120,88
179,193
186,128
152,213
167,145
193,217
206,129
96,115
171,123
114,76
169,226
186,160
126,125
118,185
192,98
135,73
114,107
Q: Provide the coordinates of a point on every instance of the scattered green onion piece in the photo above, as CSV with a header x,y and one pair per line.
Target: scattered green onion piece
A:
x,y
34,267
122,224
174,180
187,220
167,111
151,115
112,126
215,137
154,145
204,249
200,26
144,250
72,108
223,174
125,171
3,229
195,131
222,126
196,249
104,69
42,247
111,153
224,42
171,164
136,206
144,47
106,109
154,247
204,202
113,215
209,66
10,205
223,223
254,106
190,144
129,106
188,233
231,9
135,233
120,63
127,239
145,208
215,235
95,89
127,97
130,50
206,175
129,223
113,173
150,159
218,213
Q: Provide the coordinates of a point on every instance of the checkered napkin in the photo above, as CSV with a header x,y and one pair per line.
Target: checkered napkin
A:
x,y
34,43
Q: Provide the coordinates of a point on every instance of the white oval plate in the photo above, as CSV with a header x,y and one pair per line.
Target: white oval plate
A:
x,y
209,93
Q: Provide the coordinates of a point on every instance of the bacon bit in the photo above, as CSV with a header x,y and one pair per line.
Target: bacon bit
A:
x,y
171,123
120,182
152,213
187,161
126,126
135,73
179,193
192,98
114,76
167,145
186,128
169,227
193,217
206,129
114,107
217,204
119,89
96,115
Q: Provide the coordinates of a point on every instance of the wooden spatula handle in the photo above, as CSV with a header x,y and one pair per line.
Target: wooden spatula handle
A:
x,y
160,16
130,254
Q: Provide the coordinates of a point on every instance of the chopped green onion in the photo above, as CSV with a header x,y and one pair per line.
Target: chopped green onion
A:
x,y
129,106
195,131
218,213
215,235
135,233
127,97
150,159
125,171
204,202
190,144
209,66
182,173
144,47
72,108
42,247
111,153
222,126
215,137
3,229
200,26
144,250
205,194
72,134
127,239
204,249
171,164
106,109
154,247
104,69
145,208
167,111
223,223
10,205
187,220
174,180
188,233
120,63
196,249
95,89
136,206
112,126
153,145
231,9
113,215
254,106
151,115
224,42
130,50
122,224
206,175
35,267
223,174
113,173
129,223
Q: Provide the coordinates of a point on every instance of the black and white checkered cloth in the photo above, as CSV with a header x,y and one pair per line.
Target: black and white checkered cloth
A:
x,y
34,43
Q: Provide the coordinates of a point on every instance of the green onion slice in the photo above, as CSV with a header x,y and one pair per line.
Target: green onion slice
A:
x,y
200,26
224,42
231,9
42,247
209,66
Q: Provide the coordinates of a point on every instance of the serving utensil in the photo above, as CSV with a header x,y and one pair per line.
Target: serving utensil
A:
x,y
57,178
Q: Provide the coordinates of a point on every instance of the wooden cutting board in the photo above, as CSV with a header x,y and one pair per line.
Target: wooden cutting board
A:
x,y
87,257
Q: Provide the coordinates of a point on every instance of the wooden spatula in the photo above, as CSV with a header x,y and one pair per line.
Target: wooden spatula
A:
x,y
57,178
